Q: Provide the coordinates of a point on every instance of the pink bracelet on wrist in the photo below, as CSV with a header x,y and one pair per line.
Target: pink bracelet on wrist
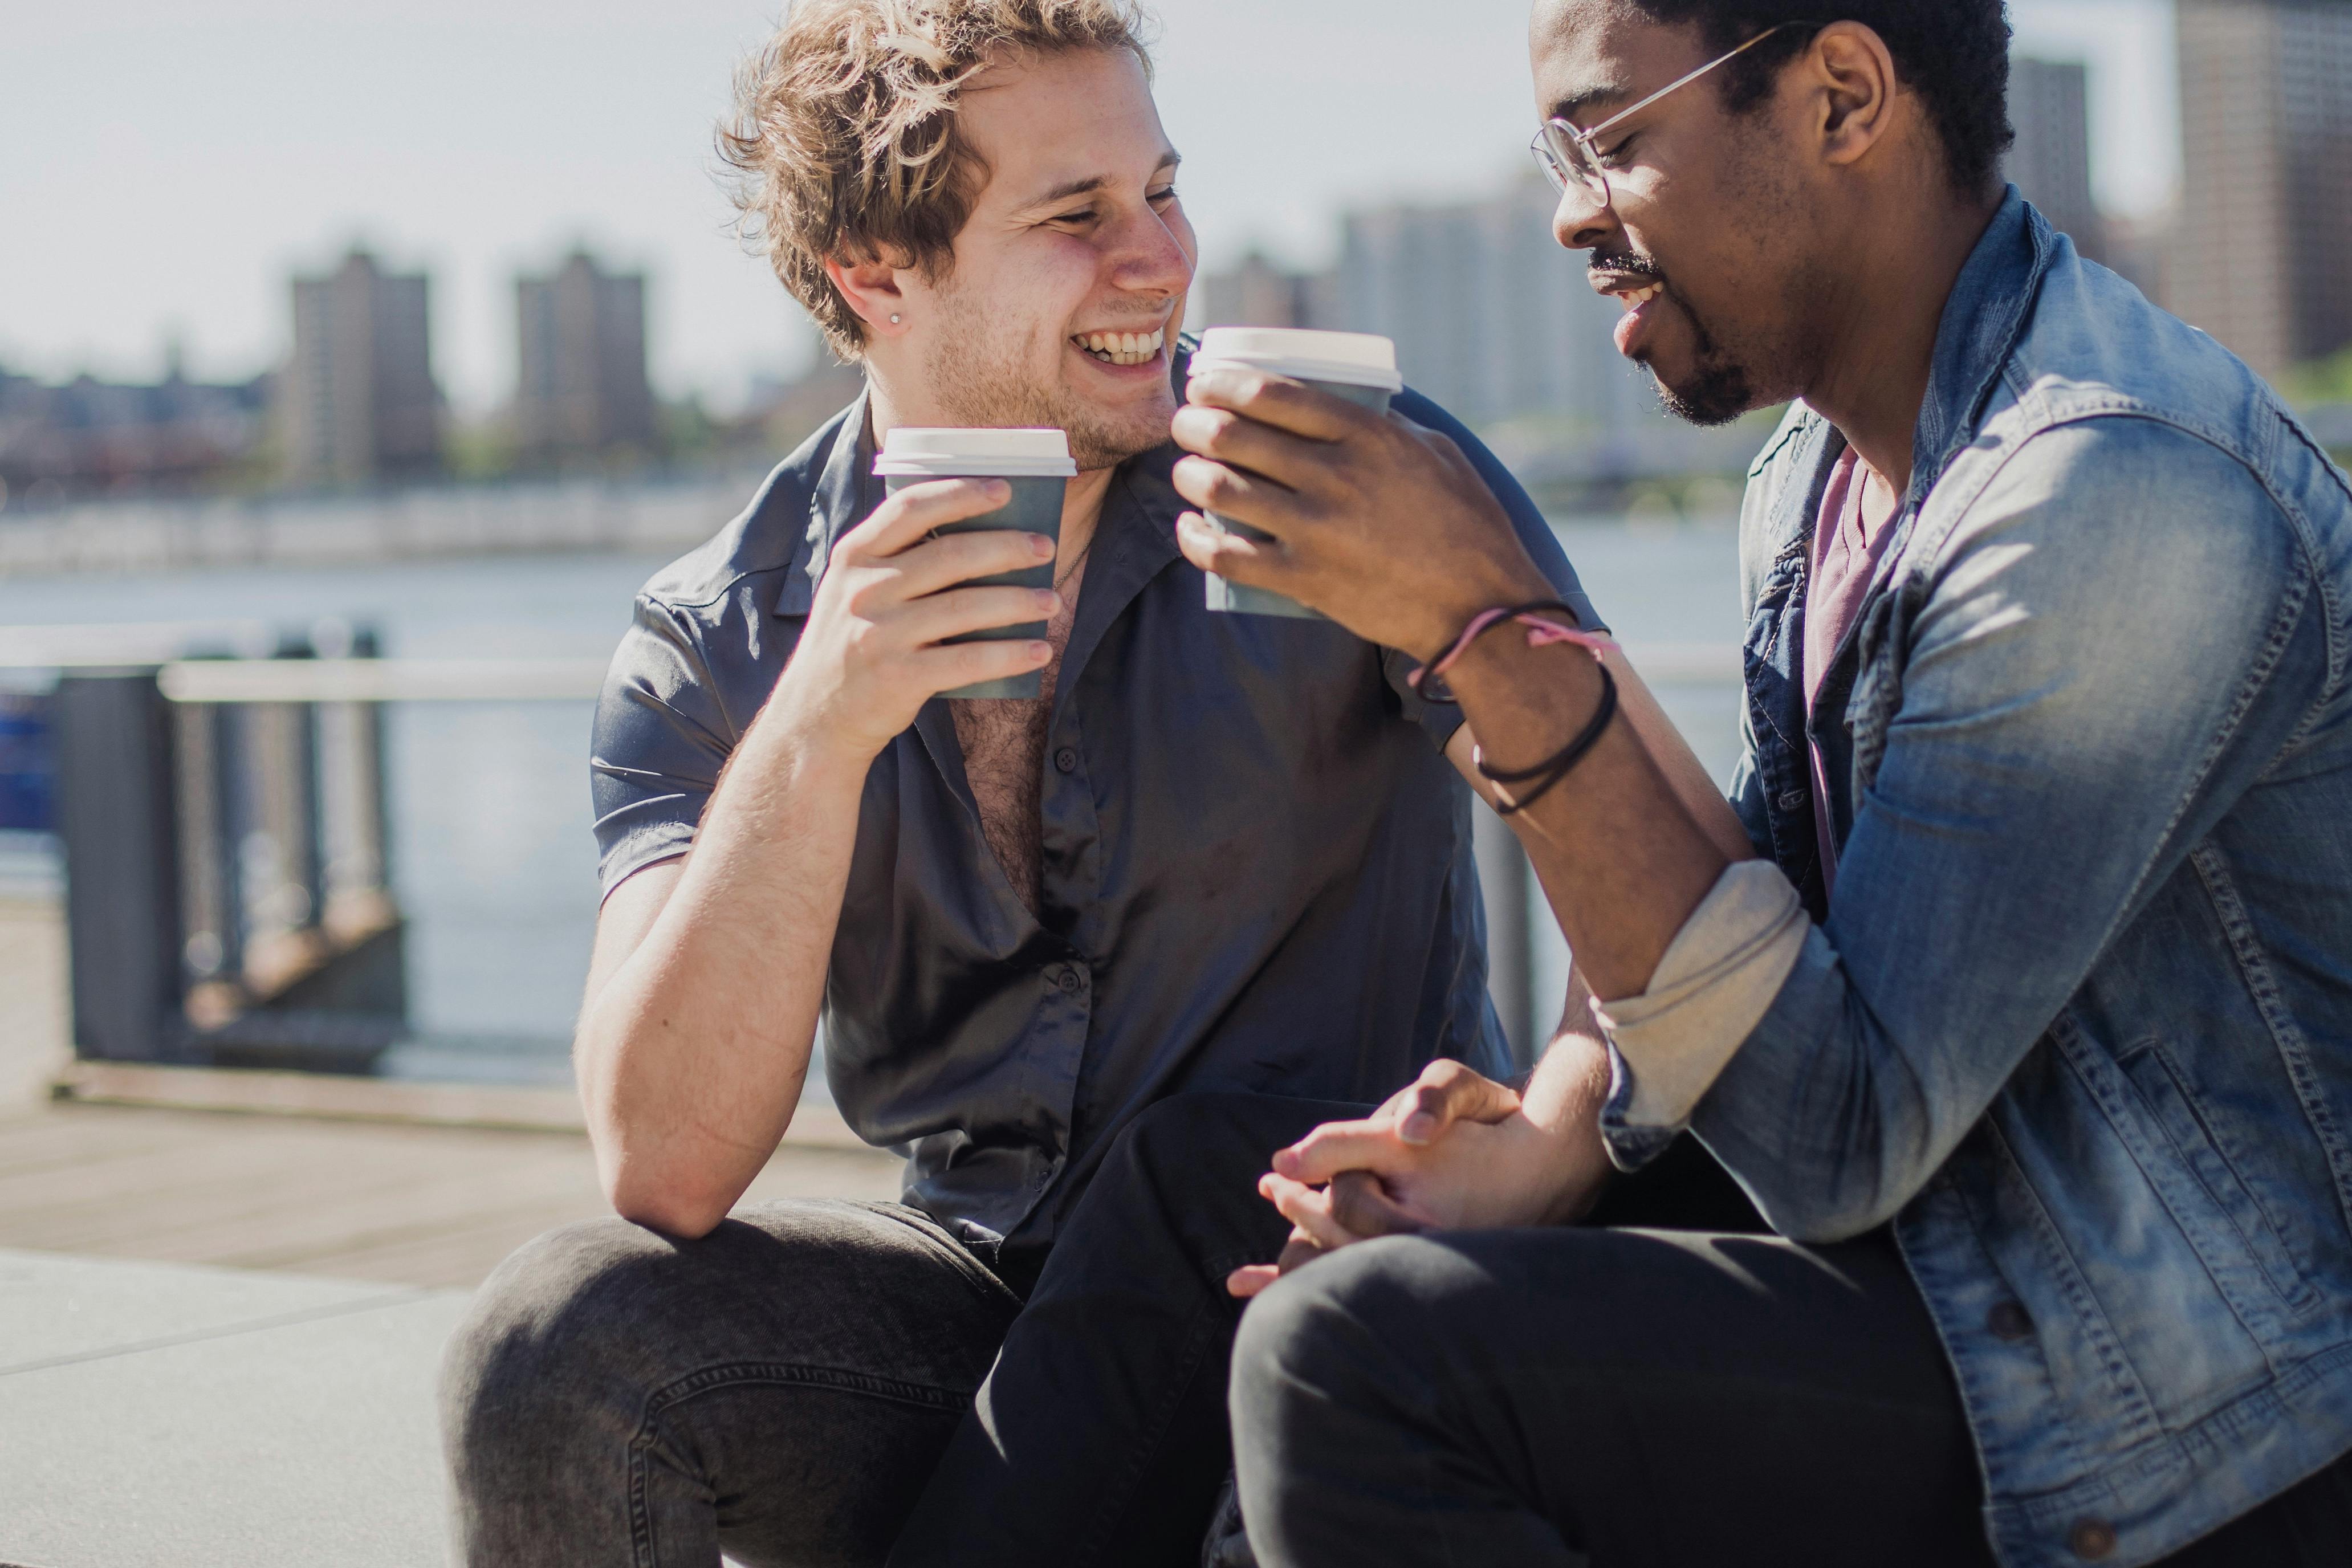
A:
x,y
1541,634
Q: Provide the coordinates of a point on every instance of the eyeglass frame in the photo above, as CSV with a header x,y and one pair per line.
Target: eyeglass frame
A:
x,y
1554,161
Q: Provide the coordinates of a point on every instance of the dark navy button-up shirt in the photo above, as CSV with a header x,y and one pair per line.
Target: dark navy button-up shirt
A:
x,y
1257,868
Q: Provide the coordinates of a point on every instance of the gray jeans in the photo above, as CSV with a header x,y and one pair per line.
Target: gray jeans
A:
x,y
781,1389
799,1387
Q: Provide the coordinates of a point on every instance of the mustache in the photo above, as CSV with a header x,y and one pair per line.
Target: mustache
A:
x,y
1627,263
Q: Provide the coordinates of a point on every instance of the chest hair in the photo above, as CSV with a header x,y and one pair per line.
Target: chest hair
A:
x,y
1004,745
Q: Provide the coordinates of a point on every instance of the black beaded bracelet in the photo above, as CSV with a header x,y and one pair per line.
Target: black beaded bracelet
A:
x,y
1547,774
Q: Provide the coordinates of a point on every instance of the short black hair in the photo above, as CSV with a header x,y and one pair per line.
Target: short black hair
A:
x,y
1953,53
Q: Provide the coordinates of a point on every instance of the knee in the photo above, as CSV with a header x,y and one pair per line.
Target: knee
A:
x,y
546,1335
1364,1322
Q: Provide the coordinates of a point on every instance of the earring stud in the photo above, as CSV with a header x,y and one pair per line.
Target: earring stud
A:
x,y
894,320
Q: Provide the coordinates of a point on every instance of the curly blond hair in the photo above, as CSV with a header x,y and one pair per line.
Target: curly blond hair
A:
x,y
845,139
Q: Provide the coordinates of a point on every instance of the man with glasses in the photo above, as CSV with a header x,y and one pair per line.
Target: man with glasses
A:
x,y
2027,1026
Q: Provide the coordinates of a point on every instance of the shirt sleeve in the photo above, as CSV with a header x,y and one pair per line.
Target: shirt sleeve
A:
x,y
1440,720
661,738
1719,976
2091,673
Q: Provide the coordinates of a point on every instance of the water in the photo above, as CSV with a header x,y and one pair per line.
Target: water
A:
x,y
492,855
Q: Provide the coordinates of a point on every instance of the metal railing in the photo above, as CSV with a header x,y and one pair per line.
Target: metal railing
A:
x,y
225,830
226,842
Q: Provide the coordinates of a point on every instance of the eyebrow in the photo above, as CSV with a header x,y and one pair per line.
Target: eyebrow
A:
x,y
1087,186
1595,97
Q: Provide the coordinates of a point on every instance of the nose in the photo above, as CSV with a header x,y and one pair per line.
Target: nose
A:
x,y
1582,221
1152,254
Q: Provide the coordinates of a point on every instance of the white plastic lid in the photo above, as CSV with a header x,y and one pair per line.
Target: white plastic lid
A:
x,y
964,453
1350,359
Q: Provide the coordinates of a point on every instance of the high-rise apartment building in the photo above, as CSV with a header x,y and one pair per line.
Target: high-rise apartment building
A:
x,y
2264,259
1257,293
1491,318
2049,103
583,388
357,403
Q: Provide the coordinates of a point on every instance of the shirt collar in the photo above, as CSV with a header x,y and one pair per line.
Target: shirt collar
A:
x,y
1983,320
837,501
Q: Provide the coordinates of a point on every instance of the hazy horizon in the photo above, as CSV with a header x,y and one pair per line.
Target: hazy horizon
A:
x,y
169,166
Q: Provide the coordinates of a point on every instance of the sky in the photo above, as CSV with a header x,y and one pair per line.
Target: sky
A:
x,y
166,164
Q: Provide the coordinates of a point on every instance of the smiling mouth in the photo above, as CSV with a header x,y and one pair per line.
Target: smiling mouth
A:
x,y
1632,290
1121,347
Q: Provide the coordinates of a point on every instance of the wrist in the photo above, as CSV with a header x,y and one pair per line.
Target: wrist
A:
x,y
1503,584
1505,666
812,739
1555,1185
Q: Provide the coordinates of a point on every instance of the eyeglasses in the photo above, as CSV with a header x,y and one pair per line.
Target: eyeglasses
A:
x,y
1566,154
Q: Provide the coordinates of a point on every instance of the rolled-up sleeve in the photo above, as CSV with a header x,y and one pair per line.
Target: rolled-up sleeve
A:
x,y
1719,977
661,738
2076,687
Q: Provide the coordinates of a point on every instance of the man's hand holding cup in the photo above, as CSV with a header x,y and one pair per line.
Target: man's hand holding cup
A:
x,y
1379,524
928,596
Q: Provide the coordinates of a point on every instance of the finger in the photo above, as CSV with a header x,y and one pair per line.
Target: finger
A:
x,y
1247,1282
1229,555
1447,1092
1281,403
929,565
1308,1208
1238,442
1337,1146
1364,1208
958,610
1297,1252
1229,493
914,511
944,668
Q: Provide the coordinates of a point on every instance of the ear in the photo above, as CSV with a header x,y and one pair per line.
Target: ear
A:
x,y
871,285
1855,89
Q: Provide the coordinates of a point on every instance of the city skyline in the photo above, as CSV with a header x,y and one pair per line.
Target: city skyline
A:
x,y
268,147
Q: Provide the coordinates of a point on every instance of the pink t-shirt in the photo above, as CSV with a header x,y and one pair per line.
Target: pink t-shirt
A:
x,y
1845,558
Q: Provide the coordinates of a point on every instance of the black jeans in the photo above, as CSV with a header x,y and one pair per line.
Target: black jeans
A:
x,y
783,1388
1636,1398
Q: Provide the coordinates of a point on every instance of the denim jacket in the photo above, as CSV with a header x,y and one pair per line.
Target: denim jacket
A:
x,y
2078,1020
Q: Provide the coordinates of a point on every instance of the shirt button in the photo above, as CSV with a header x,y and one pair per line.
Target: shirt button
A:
x,y
1793,798
2092,1539
1066,759
1070,980
2009,1322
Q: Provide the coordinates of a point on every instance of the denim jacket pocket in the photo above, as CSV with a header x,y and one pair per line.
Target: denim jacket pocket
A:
x,y
2236,1218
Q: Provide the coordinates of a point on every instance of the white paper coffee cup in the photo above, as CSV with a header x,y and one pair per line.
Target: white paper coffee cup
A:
x,y
1035,465
1358,366
950,452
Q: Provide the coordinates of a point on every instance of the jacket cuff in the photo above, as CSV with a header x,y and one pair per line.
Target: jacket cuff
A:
x,y
1720,975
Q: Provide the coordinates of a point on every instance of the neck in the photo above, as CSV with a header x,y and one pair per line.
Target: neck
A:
x,y
1880,344
889,405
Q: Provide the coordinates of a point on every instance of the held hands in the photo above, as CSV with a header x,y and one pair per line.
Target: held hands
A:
x,y
871,654
1381,525
1451,1150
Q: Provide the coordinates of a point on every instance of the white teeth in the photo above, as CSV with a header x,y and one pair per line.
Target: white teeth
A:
x,y
1122,348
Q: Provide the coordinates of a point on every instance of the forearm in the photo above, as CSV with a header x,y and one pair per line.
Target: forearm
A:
x,y
1563,1100
694,1046
1684,774
1615,846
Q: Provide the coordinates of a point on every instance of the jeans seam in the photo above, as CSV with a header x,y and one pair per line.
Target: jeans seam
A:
x,y
734,1374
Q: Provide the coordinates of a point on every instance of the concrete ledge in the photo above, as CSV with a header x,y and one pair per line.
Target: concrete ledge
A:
x,y
816,1124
